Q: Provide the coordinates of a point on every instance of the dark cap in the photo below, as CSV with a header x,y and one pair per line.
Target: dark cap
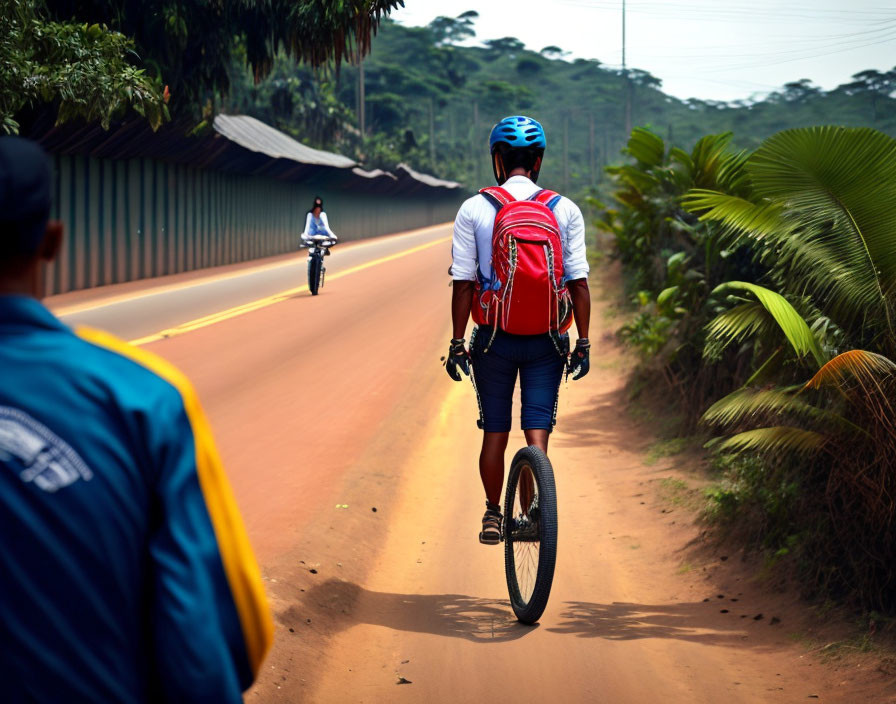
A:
x,y
24,194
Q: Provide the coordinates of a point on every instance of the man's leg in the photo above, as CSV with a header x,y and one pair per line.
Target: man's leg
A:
x,y
491,465
540,379
538,437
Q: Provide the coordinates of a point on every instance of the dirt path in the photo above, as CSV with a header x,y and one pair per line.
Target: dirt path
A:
x,y
329,408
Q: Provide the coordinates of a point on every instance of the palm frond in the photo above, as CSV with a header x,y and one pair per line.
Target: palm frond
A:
x,y
646,147
749,404
866,367
767,369
746,405
840,185
776,439
738,216
743,321
791,323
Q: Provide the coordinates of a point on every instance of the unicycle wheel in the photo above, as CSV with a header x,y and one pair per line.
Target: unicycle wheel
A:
x,y
530,533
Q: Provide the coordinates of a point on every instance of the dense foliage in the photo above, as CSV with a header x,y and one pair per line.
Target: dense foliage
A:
x,y
431,101
84,69
799,320
93,58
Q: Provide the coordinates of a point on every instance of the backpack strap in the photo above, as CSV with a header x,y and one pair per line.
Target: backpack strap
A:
x,y
497,196
546,197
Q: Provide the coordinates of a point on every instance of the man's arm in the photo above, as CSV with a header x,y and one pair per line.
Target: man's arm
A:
x,y
206,612
581,305
461,304
463,268
211,626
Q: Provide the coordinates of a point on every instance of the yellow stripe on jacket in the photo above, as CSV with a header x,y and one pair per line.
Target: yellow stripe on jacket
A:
x,y
240,566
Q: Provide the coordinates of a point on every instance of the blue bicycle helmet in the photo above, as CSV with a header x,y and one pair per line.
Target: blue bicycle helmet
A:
x,y
517,131
514,139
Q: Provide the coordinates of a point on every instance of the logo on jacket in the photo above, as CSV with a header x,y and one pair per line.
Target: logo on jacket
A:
x,y
37,454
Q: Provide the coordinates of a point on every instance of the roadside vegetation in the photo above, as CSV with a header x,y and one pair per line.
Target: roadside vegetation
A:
x,y
765,284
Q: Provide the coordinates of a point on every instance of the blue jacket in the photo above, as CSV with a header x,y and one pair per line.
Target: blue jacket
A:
x,y
125,571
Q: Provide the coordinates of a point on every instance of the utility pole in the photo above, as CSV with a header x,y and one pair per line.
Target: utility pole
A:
x,y
606,146
628,83
591,145
565,151
473,144
361,106
432,137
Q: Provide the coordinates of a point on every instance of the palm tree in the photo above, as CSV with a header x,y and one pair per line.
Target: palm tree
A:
x,y
821,214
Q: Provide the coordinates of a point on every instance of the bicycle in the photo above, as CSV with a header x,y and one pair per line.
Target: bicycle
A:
x,y
530,533
318,247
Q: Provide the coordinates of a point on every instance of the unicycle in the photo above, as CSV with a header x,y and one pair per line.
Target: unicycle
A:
x,y
530,533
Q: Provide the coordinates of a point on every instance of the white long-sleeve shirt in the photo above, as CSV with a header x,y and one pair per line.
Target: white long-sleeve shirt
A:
x,y
322,224
471,246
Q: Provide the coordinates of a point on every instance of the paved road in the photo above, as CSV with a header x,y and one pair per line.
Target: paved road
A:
x,y
353,458
163,307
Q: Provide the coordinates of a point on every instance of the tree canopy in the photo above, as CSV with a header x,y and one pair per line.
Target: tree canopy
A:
x,y
83,68
93,57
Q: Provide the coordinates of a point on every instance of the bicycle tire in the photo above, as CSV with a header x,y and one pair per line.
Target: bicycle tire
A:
x,y
314,265
529,602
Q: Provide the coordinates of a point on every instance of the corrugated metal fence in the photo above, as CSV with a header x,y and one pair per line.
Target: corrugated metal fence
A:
x,y
138,218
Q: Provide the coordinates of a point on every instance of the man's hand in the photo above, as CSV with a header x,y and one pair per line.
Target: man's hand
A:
x,y
458,358
579,363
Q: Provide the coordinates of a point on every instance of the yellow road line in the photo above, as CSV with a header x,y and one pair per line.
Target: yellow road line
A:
x,y
276,298
212,278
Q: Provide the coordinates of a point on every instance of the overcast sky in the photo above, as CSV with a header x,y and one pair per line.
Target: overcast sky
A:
x,y
710,49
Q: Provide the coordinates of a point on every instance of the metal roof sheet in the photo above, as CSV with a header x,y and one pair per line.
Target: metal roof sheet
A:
x,y
376,173
426,178
256,136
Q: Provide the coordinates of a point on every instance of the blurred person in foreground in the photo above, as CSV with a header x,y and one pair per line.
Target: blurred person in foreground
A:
x,y
125,572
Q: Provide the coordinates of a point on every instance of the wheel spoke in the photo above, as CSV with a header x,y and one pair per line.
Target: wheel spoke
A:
x,y
526,550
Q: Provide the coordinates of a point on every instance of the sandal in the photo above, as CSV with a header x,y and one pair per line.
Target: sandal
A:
x,y
491,525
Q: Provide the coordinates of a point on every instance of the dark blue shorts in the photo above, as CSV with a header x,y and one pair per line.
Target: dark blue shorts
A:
x,y
540,368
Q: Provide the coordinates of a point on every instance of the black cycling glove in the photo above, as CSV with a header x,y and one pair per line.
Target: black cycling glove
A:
x,y
579,362
458,358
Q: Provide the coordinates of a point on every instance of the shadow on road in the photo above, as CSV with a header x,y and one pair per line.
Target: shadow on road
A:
x,y
695,622
453,615
490,620
603,422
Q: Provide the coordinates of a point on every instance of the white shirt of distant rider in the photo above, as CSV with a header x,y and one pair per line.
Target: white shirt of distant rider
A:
x,y
472,243
317,226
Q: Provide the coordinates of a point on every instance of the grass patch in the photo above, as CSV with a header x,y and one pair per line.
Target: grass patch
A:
x,y
679,493
611,312
665,448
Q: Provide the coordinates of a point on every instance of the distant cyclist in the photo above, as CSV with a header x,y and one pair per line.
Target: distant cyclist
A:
x,y
520,294
316,223
125,571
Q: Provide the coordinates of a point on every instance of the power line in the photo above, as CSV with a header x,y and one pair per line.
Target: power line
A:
x,y
704,13
885,40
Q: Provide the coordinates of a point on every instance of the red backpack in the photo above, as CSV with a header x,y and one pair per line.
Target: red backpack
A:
x,y
526,294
